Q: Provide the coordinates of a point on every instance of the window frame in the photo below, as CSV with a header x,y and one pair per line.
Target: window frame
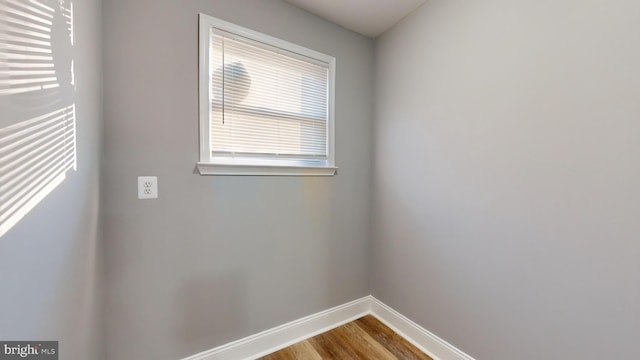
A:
x,y
259,165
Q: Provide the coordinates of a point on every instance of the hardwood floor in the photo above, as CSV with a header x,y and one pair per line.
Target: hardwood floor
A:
x,y
365,338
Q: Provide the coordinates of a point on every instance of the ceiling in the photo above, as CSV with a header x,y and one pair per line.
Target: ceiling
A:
x,y
367,17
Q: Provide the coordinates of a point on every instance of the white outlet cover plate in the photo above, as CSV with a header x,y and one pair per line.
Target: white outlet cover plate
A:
x,y
147,187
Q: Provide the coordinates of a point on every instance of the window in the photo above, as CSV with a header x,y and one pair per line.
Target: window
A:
x,y
266,105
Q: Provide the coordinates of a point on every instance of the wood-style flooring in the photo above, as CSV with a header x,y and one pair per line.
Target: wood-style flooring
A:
x,y
365,338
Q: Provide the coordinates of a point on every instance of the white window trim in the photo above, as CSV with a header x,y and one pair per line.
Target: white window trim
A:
x,y
209,165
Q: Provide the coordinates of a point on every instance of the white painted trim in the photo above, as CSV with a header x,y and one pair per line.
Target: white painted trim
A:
x,y
288,334
212,22
264,170
271,340
426,341
209,164
204,84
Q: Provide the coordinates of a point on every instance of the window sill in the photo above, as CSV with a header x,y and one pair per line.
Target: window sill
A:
x,y
264,169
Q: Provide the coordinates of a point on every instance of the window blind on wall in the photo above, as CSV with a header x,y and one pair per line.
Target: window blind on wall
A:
x,y
266,101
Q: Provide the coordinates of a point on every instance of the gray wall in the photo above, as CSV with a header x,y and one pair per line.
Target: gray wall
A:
x,y
215,259
50,261
506,177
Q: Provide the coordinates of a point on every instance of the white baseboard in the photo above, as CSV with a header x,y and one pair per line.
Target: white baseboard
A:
x,y
277,338
282,336
426,341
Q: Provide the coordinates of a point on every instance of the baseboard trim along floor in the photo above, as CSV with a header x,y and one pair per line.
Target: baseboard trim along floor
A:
x,y
277,338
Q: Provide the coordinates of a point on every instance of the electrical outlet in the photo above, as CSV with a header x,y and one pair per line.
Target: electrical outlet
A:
x,y
147,187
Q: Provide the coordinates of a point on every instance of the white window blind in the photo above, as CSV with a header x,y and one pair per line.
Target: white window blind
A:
x,y
266,105
266,101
